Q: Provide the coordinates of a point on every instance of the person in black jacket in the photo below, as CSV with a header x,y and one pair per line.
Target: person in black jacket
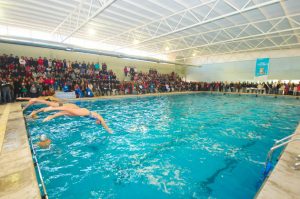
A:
x,y
17,88
5,90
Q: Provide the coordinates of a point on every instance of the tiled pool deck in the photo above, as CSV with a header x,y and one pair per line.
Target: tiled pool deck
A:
x,y
17,174
18,178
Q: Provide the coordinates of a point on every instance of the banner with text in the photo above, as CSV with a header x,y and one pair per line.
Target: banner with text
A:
x,y
262,67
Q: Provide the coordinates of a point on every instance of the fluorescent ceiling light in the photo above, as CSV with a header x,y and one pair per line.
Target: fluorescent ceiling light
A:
x,y
138,60
91,31
136,41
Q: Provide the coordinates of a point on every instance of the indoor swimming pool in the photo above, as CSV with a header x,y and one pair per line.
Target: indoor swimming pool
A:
x,y
180,146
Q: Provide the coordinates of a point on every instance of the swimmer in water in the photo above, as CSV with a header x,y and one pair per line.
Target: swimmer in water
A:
x,y
76,112
44,142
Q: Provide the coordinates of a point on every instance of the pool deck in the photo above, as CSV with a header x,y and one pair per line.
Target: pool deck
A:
x,y
284,181
18,177
17,174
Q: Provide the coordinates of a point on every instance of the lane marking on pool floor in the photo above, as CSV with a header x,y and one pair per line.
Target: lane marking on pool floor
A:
x,y
3,124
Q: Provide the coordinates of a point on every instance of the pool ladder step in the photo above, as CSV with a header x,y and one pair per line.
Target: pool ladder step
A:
x,y
296,166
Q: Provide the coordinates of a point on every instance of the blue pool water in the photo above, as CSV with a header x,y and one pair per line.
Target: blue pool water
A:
x,y
183,146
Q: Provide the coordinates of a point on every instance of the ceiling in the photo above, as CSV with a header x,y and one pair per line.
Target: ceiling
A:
x,y
180,30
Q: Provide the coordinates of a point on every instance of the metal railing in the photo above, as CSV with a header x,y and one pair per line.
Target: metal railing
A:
x,y
283,139
279,144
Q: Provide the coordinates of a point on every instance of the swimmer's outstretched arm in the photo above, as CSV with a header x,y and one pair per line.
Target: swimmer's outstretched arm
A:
x,y
41,101
48,103
50,117
31,101
24,98
100,118
42,97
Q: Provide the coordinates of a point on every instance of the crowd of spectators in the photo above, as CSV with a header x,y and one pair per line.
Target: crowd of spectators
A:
x,y
154,82
33,77
275,87
151,82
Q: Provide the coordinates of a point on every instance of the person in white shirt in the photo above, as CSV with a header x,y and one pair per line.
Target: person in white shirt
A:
x,y
22,61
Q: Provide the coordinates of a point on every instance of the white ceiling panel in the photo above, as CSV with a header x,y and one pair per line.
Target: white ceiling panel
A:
x,y
184,26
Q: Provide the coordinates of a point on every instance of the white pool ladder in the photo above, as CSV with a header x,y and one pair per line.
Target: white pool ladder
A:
x,y
279,143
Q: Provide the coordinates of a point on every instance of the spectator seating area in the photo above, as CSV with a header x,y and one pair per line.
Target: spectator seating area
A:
x,y
33,77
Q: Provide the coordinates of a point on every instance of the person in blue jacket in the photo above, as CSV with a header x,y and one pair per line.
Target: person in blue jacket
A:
x,y
78,92
89,92
66,88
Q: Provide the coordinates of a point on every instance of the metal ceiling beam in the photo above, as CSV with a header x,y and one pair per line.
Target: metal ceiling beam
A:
x,y
204,21
131,12
142,7
114,20
239,39
233,38
80,17
256,47
284,8
145,26
126,17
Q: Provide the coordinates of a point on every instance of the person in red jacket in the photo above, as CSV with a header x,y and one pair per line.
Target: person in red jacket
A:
x,y
40,61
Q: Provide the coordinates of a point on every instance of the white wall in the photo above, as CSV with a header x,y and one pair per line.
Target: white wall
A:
x,y
286,68
252,55
116,64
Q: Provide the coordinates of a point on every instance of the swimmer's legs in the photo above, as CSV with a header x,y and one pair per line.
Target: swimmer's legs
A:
x,y
50,117
48,103
71,111
60,108
36,112
24,98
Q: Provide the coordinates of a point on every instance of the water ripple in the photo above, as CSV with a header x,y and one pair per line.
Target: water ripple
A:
x,y
185,146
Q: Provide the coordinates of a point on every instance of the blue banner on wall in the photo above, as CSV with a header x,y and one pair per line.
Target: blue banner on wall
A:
x,y
262,67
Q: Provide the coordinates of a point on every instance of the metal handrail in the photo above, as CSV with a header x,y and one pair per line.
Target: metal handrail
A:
x,y
283,139
270,153
39,170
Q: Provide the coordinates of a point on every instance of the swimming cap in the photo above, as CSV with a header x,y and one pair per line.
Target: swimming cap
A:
x,y
43,137
35,116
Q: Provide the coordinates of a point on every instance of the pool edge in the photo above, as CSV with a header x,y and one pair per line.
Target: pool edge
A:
x,y
283,182
17,175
